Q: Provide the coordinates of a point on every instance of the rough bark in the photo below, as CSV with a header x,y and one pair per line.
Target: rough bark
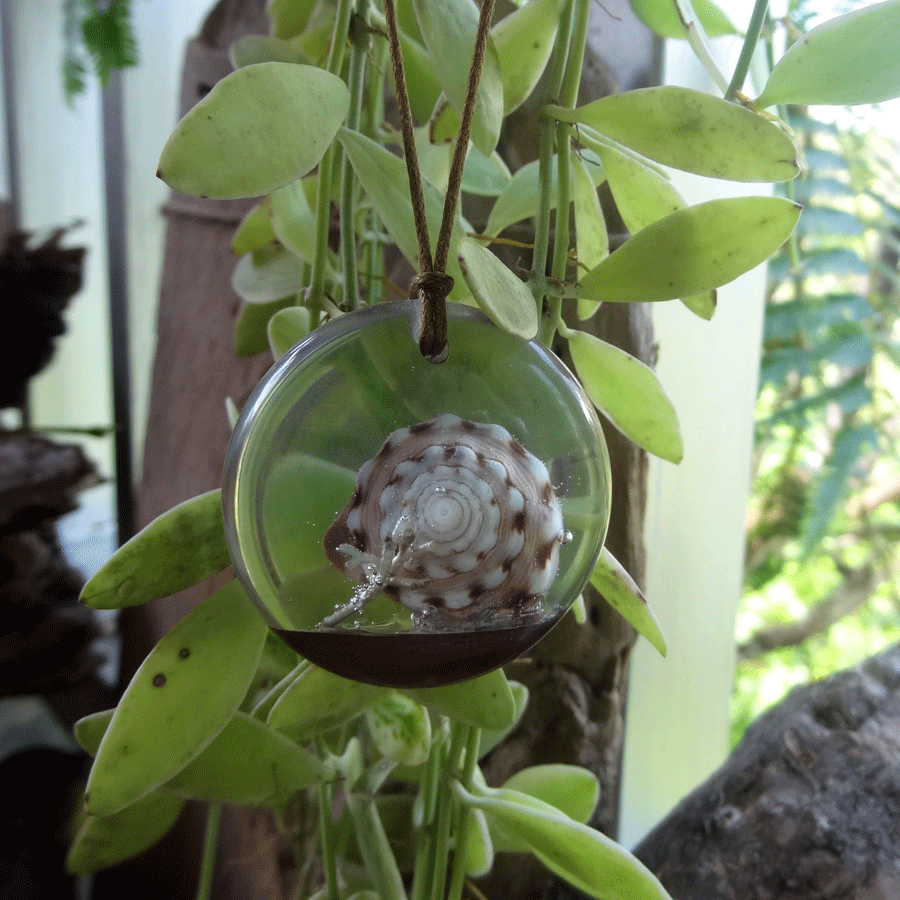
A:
x,y
807,806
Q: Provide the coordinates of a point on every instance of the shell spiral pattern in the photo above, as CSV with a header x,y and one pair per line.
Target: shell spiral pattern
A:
x,y
450,515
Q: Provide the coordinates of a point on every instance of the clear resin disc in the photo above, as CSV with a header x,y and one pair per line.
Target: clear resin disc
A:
x,y
407,523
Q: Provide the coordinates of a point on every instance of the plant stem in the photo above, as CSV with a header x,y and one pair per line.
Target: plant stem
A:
x,y
545,164
326,841
373,247
464,823
751,39
699,41
375,848
359,45
568,99
208,860
428,791
445,805
326,169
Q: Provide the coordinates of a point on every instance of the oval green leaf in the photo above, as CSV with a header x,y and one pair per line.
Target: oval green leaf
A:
x,y
255,230
524,40
693,131
251,327
499,292
572,790
484,702
181,697
628,393
318,701
293,222
490,737
248,764
582,856
286,328
480,847
103,841
663,18
702,305
175,551
258,129
693,250
851,59
621,592
400,729
519,198
289,17
448,30
262,48
279,276
591,237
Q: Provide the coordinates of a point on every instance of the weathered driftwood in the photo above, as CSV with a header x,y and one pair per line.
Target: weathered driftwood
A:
x,y
807,807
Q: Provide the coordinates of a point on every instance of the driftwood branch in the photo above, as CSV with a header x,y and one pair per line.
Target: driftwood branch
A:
x,y
807,807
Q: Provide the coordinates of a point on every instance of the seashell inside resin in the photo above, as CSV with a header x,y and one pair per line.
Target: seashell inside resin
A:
x,y
450,515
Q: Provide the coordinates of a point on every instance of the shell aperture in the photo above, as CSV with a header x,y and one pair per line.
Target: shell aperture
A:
x,y
450,515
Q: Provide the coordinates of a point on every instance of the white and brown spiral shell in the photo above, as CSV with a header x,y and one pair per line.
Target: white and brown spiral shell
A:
x,y
453,515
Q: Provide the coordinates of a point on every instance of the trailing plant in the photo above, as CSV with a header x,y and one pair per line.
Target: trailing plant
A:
x,y
222,710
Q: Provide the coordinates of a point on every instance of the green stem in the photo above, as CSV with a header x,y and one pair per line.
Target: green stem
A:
x,y
208,860
568,99
545,145
359,45
326,840
464,826
425,849
375,848
751,39
699,41
373,248
326,169
445,805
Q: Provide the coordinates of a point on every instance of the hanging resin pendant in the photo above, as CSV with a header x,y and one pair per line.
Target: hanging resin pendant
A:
x,y
412,524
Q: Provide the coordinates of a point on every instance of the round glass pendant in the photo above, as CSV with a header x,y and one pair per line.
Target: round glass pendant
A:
x,y
410,524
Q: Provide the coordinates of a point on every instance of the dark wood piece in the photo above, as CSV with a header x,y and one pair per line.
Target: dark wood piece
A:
x,y
807,807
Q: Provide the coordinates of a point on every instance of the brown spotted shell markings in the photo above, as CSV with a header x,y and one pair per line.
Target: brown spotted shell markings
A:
x,y
452,515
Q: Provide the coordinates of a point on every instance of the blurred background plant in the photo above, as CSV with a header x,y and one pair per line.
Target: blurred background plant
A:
x,y
823,556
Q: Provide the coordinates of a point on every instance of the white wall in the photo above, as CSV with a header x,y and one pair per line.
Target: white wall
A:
x,y
678,707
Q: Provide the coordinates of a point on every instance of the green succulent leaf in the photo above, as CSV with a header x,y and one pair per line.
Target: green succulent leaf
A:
x,y
175,551
500,292
628,393
693,250
643,196
480,847
286,328
524,40
258,129
289,17
278,276
158,726
251,327
491,737
104,841
619,590
484,176
255,230
582,856
519,198
693,131
572,790
448,30
317,701
845,61
484,702
293,221
383,177
400,729
261,48
663,18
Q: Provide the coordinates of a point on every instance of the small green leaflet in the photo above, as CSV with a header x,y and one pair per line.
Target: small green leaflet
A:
x,y
619,590
628,393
